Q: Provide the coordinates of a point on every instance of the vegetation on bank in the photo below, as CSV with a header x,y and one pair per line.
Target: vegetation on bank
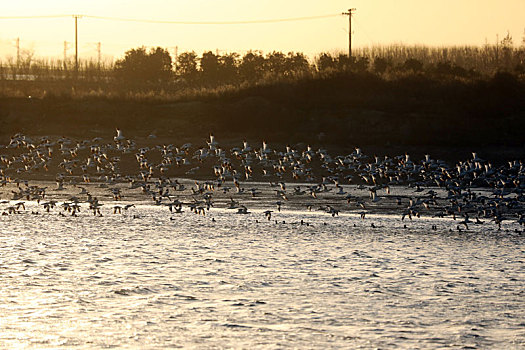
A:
x,y
155,75
384,96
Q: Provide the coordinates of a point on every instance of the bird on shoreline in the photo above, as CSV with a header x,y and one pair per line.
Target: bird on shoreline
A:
x,y
472,187
120,137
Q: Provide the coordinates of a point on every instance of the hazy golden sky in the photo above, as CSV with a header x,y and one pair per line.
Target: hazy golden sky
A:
x,y
429,22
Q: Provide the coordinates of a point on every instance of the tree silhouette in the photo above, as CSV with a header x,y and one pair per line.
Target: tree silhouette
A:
x,y
276,63
229,68
252,66
413,65
139,67
360,64
297,64
325,62
381,64
186,66
209,68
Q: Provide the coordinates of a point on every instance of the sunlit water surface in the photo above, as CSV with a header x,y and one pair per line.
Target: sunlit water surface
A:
x,y
156,282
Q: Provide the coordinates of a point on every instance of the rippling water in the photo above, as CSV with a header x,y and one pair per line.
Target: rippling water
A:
x,y
186,281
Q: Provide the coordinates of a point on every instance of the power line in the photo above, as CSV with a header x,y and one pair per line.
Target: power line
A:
x,y
363,30
33,17
261,21
76,16
17,52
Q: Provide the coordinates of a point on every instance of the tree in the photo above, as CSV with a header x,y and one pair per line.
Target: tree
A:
x,y
210,67
507,41
139,67
381,64
251,67
276,63
229,67
325,62
360,64
445,68
187,65
413,65
344,62
507,49
297,63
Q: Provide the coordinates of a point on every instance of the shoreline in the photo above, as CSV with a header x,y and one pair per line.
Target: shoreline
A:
x,y
447,119
392,206
224,176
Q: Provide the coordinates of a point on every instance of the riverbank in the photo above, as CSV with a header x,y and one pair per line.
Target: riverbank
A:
x,y
448,119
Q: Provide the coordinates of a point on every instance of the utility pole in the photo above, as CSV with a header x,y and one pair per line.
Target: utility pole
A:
x,y
99,54
65,53
349,14
17,53
497,48
76,17
176,57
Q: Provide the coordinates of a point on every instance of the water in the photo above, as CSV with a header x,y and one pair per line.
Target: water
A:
x,y
161,281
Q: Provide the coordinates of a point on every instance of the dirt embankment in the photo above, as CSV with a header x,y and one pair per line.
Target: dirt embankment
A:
x,y
382,120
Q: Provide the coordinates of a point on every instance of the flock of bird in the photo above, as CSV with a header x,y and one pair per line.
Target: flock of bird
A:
x,y
470,192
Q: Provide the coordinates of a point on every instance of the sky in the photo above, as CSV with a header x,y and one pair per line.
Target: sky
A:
x,y
375,22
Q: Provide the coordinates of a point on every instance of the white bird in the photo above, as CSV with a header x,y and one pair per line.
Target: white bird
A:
x,y
212,144
265,149
119,136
